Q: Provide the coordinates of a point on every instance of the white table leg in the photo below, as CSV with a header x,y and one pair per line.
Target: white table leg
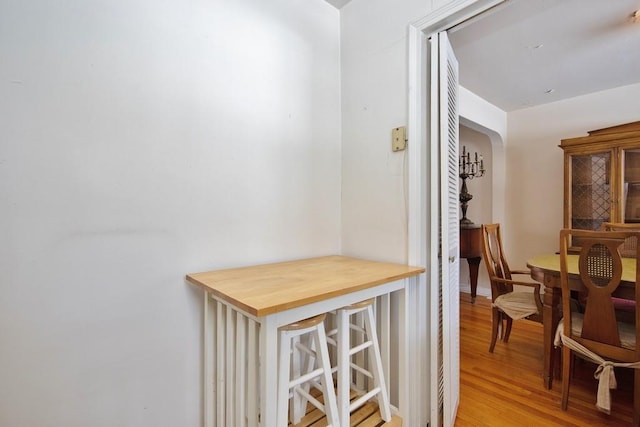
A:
x,y
268,372
408,386
403,355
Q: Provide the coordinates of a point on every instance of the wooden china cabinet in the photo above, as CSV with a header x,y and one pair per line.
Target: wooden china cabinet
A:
x,y
602,177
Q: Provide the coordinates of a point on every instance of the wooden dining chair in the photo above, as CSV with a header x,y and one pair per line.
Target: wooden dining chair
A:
x,y
625,308
628,248
508,303
596,334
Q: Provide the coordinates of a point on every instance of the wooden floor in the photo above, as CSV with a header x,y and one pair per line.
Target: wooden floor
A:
x,y
505,388
367,415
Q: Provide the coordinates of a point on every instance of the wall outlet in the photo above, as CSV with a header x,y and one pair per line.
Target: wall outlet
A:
x,y
399,138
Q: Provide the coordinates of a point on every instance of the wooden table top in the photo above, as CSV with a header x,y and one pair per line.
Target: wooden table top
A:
x,y
551,262
266,289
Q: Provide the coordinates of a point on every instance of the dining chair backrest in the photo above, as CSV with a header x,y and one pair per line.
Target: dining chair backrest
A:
x,y
495,259
600,267
628,248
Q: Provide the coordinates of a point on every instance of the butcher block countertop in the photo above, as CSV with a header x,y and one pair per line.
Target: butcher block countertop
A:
x,y
270,288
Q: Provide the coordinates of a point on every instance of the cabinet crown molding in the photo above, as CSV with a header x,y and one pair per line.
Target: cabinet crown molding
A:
x,y
630,131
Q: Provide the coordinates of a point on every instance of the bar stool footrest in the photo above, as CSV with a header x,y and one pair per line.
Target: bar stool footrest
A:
x,y
363,399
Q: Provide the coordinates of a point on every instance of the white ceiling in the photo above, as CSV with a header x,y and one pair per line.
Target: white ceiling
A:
x,y
518,52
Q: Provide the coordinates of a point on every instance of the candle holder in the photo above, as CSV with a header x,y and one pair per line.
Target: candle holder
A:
x,y
468,169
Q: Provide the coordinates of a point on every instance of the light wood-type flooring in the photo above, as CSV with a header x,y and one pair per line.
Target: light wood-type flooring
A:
x,y
505,388
367,415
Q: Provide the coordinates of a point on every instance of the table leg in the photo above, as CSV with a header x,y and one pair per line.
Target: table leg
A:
x,y
551,317
474,264
268,372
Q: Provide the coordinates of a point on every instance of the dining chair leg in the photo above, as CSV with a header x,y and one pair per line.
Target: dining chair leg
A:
x,y
556,363
566,375
507,331
495,323
636,397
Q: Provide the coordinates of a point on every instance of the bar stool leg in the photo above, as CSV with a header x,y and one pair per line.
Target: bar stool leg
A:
x,y
302,345
348,369
331,407
298,402
375,362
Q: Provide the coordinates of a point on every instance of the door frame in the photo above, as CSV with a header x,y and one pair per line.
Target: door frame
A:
x,y
422,219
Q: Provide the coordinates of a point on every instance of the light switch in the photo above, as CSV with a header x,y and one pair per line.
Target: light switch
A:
x,y
398,138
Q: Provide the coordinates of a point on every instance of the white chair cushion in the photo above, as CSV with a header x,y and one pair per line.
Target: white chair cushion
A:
x,y
626,330
517,305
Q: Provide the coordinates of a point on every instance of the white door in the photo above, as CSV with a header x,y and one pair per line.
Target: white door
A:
x,y
444,171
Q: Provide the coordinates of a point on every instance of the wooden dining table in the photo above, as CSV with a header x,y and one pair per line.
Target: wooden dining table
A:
x,y
245,306
545,269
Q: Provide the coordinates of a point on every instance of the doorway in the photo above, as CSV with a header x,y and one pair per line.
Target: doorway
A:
x,y
423,216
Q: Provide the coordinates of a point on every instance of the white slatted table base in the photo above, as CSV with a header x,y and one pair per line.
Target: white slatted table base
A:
x,y
231,366
233,339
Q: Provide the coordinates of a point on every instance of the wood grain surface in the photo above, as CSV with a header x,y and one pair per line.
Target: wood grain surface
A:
x,y
270,288
504,388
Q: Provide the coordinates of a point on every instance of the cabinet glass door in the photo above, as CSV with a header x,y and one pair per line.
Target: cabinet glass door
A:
x,y
591,190
631,186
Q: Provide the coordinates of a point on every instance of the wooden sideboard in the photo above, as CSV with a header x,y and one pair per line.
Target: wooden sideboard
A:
x,y
471,249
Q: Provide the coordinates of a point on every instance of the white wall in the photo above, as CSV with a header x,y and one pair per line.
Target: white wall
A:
x,y
374,100
480,208
534,188
140,141
484,129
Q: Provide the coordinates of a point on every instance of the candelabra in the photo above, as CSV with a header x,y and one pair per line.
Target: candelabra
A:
x,y
468,169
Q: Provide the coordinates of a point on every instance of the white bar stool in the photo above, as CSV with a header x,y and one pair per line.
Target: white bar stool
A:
x,y
305,342
345,365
